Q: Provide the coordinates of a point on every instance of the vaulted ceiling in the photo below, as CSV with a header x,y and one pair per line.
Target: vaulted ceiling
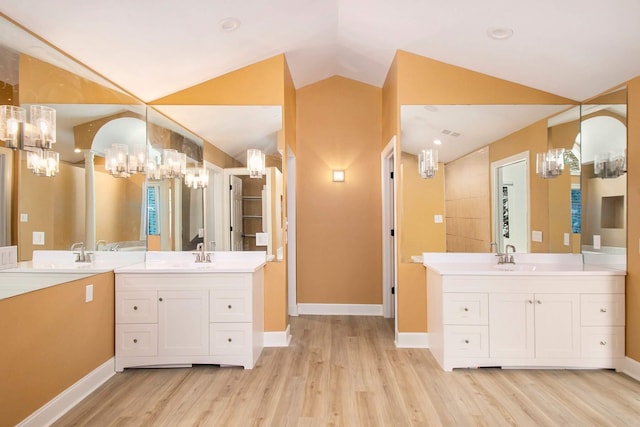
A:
x,y
572,48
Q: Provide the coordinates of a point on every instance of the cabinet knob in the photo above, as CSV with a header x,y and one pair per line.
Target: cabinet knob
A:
x,y
229,339
160,299
135,307
603,343
135,340
466,341
466,309
530,301
603,310
229,306
538,301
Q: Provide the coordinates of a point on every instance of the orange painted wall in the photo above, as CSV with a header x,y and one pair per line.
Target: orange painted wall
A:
x,y
51,338
633,225
339,224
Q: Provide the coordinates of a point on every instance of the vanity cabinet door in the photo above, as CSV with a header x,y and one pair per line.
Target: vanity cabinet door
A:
x,y
557,325
511,325
183,323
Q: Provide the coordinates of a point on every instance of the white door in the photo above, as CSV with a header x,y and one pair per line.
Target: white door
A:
x,y
557,325
236,213
183,323
511,325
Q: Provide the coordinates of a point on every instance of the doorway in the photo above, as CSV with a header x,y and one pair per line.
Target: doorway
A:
x,y
389,274
510,201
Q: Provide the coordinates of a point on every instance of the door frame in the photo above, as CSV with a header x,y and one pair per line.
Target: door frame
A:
x,y
389,222
214,194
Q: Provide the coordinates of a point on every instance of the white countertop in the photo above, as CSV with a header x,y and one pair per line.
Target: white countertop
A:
x,y
184,263
525,265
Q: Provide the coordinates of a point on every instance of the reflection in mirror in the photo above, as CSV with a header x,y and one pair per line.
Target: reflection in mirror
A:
x,y
471,137
603,142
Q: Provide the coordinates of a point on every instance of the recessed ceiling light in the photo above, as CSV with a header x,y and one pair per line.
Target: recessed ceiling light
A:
x,y
500,33
229,24
437,142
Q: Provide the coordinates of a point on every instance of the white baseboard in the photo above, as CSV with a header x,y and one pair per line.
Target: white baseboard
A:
x,y
412,340
278,338
59,405
632,368
341,309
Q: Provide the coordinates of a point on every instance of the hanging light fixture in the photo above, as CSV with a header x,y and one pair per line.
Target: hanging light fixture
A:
x,y
197,177
255,163
550,164
428,163
610,165
11,120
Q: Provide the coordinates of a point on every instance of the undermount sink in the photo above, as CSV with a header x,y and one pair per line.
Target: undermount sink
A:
x,y
515,267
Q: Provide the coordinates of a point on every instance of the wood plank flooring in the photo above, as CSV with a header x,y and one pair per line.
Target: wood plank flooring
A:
x,y
346,371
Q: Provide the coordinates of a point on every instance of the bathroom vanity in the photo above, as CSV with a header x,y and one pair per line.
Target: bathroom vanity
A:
x,y
172,311
544,311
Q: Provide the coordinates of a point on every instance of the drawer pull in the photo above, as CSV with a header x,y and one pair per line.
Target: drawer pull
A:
x,y
229,339
466,341
135,307
135,340
530,301
603,310
160,299
229,306
603,343
466,309
538,302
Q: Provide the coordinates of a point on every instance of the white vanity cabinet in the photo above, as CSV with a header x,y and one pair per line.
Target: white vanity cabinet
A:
x,y
180,319
527,320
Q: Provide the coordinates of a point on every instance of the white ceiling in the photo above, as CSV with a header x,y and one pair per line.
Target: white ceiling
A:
x,y
572,48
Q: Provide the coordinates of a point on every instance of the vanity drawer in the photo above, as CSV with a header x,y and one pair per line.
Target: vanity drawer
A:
x,y
137,307
466,341
602,342
136,340
229,305
465,309
230,338
602,310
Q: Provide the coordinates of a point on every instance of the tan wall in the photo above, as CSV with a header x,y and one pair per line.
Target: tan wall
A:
x,y
593,192
467,203
118,207
416,212
68,207
633,226
51,338
339,224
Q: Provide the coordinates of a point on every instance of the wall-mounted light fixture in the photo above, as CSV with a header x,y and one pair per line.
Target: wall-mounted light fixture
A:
x,y
120,164
550,164
338,176
197,177
610,165
428,163
255,163
36,136
172,164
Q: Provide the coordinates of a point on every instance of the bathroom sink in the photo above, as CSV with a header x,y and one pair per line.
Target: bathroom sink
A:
x,y
515,267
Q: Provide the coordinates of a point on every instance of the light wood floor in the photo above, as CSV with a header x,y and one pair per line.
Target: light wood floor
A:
x,y
343,370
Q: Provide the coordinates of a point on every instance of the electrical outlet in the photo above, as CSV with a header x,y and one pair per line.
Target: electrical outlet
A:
x,y
566,239
88,293
24,217
536,236
437,219
596,241
38,238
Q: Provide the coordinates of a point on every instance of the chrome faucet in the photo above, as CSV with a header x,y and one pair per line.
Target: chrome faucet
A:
x,y
508,259
201,256
100,242
81,256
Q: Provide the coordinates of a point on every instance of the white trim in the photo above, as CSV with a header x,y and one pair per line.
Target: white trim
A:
x,y
278,338
291,234
389,255
341,309
632,368
59,405
412,340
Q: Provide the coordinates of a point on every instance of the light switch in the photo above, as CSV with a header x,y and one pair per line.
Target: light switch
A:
x,y
200,232
566,239
437,219
24,217
38,238
536,236
88,293
596,241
